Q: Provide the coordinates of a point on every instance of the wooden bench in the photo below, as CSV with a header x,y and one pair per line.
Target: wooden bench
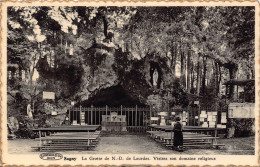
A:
x,y
193,146
67,144
68,138
52,148
190,139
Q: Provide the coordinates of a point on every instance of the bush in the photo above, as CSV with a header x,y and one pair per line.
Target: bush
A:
x,y
244,127
25,128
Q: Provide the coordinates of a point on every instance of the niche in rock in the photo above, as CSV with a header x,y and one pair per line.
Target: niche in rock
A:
x,y
155,74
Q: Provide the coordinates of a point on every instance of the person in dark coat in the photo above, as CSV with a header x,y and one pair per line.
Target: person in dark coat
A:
x,y
231,128
178,136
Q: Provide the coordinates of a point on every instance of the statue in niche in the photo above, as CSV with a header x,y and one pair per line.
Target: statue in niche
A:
x,y
29,111
155,77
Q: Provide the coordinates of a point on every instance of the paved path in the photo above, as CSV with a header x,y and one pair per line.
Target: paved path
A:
x,y
130,144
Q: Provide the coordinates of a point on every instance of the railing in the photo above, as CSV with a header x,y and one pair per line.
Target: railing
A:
x,y
135,116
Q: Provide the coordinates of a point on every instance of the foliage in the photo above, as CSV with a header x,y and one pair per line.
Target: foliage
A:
x,y
250,92
25,127
244,127
78,51
179,95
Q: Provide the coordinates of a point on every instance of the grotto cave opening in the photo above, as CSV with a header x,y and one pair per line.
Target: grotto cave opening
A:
x,y
114,96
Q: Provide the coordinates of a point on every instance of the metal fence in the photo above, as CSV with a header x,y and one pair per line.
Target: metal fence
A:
x,y
135,116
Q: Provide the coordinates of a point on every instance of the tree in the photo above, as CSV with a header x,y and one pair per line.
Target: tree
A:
x,y
197,38
23,30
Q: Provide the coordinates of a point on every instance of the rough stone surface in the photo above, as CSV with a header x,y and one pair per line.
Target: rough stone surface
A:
x,y
13,124
55,120
97,75
135,76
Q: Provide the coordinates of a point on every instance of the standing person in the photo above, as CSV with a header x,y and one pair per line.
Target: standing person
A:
x,y
178,136
231,128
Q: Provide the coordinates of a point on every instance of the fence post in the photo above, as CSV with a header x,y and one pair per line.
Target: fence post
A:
x,y
220,112
91,115
80,114
143,113
94,115
199,114
132,116
188,117
121,110
136,123
128,117
149,121
106,109
99,115
69,115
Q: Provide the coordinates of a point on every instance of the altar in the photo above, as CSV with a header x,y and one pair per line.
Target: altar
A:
x,y
113,122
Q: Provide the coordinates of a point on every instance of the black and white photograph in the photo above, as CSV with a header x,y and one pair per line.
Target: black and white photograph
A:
x,y
130,80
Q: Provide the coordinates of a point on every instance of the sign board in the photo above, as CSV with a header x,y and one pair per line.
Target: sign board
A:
x,y
154,118
241,110
163,113
196,102
54,113
48,95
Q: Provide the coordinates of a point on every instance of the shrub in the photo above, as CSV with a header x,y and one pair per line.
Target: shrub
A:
x,y
244,127
25,128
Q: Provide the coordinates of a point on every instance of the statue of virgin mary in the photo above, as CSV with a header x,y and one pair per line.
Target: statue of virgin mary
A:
x,y
29,111
155,77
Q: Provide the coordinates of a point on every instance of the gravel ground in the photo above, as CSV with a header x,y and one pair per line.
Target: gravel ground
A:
x,y
142,144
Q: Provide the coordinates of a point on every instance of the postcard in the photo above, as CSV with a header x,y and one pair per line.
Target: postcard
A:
x,y
129,83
